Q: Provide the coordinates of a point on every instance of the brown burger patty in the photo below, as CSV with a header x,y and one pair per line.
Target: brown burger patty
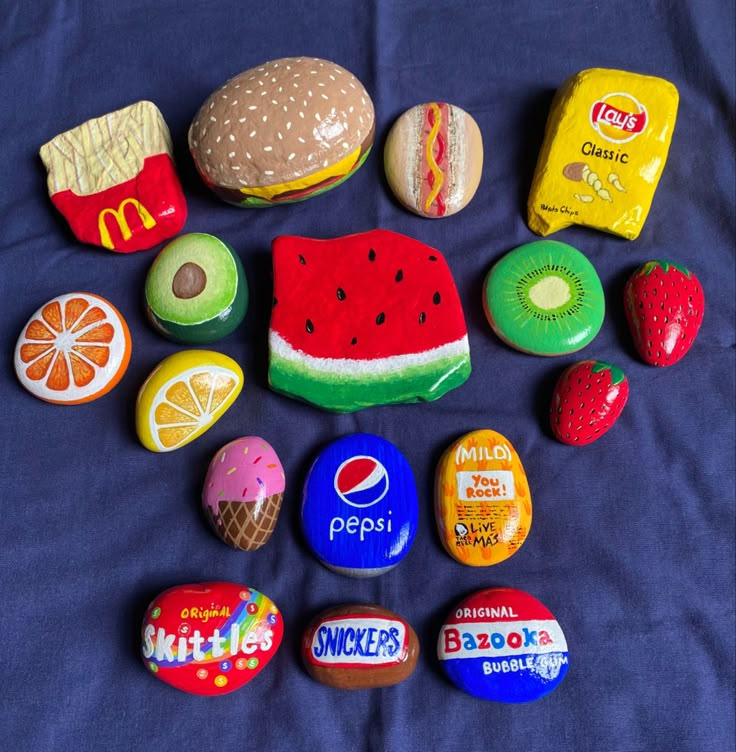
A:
x,y
282,121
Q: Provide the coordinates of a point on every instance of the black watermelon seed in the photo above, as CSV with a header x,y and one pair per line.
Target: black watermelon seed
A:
x,y
371,255
354,341
433,258
436,298
309,326
302,260
399,275
422,317
274,301
341,294
380,318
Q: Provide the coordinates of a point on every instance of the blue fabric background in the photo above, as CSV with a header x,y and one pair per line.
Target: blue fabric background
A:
x,y
632,545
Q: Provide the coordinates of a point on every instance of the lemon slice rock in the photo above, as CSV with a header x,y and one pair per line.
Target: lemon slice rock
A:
x,y
185,395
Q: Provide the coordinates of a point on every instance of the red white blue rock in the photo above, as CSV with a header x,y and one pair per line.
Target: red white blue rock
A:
x,y
359,509
503,645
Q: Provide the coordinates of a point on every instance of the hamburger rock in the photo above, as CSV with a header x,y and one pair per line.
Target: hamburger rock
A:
x,y
282,132
243,491
503,645
210,638
434,159
360,509
113,178
359,646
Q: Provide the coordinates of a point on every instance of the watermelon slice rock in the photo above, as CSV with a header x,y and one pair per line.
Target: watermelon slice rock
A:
x,y
363,320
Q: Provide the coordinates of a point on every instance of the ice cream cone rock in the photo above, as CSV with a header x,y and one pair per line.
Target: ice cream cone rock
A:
x,y
243,491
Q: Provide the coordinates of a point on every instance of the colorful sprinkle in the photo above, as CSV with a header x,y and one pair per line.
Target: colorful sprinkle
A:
x,y
231,471
257,459
221,492
245,451
245,490
273,464
260,482
222,459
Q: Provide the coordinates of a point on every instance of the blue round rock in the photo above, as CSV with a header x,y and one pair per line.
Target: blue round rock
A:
x,y
360,510
502,644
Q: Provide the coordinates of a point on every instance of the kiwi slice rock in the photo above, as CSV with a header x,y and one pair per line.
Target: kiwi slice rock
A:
x,y
196,291
544,298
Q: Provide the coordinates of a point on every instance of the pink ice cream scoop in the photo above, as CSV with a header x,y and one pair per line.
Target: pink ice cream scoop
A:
x,y
243,491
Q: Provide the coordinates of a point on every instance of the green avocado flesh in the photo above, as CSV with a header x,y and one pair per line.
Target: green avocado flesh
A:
x,y
346,393
196,291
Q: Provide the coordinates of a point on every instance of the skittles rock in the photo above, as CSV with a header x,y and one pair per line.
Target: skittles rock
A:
x,y
243,491
210,638
360,510
503,645
483,506
359,647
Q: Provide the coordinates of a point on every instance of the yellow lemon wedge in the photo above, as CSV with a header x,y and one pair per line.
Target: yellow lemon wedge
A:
x,y
184,396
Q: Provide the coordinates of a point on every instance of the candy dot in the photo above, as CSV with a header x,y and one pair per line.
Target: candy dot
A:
x,y
225,666
156,613
220,681
271,618
202,673
241,663
244,595
273,609
253,663
184,629
153,668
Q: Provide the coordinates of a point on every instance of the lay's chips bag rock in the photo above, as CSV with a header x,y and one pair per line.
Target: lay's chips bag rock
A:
x,y
605,146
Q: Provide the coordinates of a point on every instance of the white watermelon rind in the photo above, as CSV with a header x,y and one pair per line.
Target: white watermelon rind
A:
x,y
346,385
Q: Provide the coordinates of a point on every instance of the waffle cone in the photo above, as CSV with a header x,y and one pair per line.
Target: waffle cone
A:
x,y
246,525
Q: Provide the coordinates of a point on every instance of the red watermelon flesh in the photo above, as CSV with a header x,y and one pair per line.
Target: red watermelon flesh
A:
x,y
363,297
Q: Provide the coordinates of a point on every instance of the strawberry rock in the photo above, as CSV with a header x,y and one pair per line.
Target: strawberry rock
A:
x,y
664,305
587,401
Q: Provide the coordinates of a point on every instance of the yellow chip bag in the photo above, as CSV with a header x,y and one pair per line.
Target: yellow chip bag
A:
x,y
605,146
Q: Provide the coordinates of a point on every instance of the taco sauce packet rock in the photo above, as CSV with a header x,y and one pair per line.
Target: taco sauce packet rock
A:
x,y
605,146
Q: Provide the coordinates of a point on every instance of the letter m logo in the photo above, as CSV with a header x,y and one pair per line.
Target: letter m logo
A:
x,y
119,214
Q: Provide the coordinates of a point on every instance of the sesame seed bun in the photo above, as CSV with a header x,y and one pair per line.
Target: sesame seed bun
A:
x,y
282,132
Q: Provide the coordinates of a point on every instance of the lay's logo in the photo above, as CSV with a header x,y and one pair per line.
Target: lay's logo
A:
x,y
618,117
119,214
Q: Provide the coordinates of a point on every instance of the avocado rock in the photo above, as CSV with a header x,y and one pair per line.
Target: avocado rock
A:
x,y
243,491
503,645
210,638
196,290
483,506
359,509
359,646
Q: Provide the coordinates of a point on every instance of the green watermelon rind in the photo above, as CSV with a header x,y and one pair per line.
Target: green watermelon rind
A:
x,y
344,385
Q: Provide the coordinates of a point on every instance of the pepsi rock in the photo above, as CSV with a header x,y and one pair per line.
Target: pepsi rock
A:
x,y
503,645
359,509
359,646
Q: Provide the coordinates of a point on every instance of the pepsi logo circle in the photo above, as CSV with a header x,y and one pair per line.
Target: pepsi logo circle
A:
x,y
360,509
361,481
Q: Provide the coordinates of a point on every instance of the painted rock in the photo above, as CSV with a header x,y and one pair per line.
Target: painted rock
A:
x,y
113,178
544,298
359,646
503,645
664,305
186,394
243,491
282,132
73,349
196,290
360,509
210,638
434,159
588,399
483,505
364,320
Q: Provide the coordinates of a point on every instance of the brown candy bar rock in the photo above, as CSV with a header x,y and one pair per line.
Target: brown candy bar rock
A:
x,y
359,646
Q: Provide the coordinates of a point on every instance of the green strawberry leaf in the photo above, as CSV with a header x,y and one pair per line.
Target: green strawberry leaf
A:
x,y
650,266
617,375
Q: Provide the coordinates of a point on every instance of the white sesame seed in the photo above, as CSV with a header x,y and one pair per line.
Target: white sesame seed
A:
x,y
281,138
247,154
263,93
309,93
241,120
291,156
260,70
273,79
212,104
345,145
260,83
242,182
265,118
291,99
338,71
352,85
313,71
232,138
324,96
234,102
301,115
231,154
218,139
321,84
286,109
253,107
301,140
196,123
235,167
296,86
309,158
209,151
332,77
296,75
268,172
226,121
343,91
213,118
252,133
268,148
351,108
317,117
288,125
224,96
237,86
325,163
249,91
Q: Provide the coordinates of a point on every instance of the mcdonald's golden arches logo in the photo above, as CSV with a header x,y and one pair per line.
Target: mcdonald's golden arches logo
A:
x,y
145,216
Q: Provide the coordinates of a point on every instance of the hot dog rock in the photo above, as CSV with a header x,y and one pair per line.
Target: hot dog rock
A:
x,y
503,645
605,146
359,646
483,505
282,132
434,159
210,638
113,179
